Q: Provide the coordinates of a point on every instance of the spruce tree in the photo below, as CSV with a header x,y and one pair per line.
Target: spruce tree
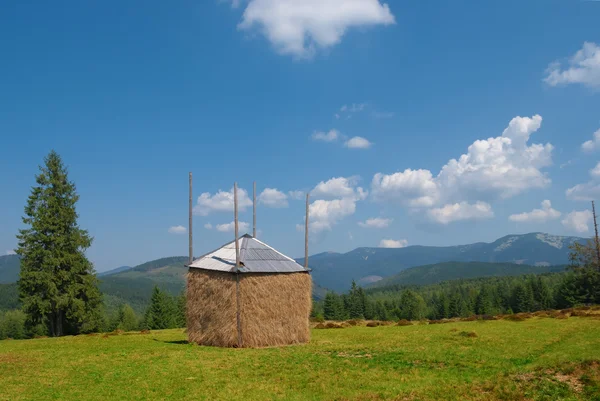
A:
x,y
128,321
58,287
330,305
161,312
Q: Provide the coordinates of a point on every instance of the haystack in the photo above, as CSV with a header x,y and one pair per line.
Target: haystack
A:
x,y
266,301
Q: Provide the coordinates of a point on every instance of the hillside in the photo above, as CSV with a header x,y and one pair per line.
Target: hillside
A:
x,y
446,271
367,265
10,266
115,271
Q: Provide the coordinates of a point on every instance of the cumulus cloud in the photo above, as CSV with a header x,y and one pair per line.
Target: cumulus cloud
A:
x,y
587,191
593,144
461,211
499,167
578,221
391,243
300,28
537,215
325,213
221,202
357,142
375,222
330,136
208,226
296,195
338,187
582,68
177,230
272,197
230,227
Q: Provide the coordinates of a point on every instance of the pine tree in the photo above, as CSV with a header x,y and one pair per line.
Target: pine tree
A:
x,y
161,311
127,320
522,298
57,285
483,302
181,308
356,307
412,306
330,306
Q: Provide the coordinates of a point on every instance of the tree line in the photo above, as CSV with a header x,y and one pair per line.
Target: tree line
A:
x,y
580,285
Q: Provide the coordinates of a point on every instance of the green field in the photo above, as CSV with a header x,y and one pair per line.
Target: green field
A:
x,y
539,358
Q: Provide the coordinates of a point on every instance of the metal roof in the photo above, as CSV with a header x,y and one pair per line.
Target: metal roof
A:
x,y
255,257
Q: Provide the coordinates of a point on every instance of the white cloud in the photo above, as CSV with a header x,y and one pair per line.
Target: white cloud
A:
x,y
578,221
461,211
325,213
587,191
336,187
208,226
272,197
537,215
375,222
300,28
391,243
330,136
592,144
358,142
230,227
177,230
501,167
582,68
221,202
10,252
296,195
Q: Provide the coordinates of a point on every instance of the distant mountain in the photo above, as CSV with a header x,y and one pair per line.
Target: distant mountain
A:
x,y
114,271
436,273
10,266
367,265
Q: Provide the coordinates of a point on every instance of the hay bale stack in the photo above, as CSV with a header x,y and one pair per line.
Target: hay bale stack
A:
x,y
265,302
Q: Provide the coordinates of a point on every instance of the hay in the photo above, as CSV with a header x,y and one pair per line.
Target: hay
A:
x,y
274,308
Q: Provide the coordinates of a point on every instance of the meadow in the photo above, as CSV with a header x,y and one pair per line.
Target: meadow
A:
x,y
535,359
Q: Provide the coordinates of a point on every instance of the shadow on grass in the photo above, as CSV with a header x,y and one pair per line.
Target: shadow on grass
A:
x,y
178,342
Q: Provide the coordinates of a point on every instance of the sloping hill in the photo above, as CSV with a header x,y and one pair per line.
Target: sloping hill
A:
x,y
114,271
10,265
366,265
436,273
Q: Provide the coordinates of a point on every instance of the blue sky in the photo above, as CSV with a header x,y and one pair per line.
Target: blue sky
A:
x,y
363,103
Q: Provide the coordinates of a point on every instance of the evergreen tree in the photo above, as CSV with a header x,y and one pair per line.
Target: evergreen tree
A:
x,y
161,311
12,325
522,298
381,312
412,306
57,285
127,320
330,306
483,303
181,308
356,307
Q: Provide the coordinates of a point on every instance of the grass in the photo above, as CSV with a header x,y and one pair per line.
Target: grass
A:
x,y
535,359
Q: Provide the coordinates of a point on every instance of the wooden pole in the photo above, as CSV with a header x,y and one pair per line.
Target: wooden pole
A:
x,y
306,233
254,210
596,238
191,246
235,220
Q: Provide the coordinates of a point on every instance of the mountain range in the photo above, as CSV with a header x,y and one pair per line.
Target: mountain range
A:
x,y
369,265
